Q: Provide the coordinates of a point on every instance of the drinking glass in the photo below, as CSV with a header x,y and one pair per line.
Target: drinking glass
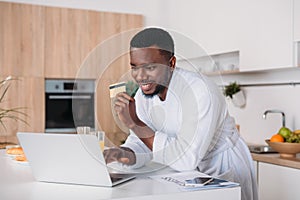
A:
x,y
101,138
83,130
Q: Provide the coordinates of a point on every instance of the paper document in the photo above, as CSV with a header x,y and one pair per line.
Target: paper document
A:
x,y
183,181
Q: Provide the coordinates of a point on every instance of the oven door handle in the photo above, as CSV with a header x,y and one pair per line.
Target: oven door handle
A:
x,y
70,97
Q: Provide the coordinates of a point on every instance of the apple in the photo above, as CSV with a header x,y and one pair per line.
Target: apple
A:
x,y
285,132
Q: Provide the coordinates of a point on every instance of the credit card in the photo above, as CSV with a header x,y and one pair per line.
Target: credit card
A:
x,y
116,88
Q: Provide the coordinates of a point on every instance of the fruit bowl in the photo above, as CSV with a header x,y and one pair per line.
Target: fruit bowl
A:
x,y
285,149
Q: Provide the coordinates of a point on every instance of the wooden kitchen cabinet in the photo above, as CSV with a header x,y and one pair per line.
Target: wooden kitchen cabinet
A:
x,y
72,34
41,42
116,71
27,93
278,182
267,33
22,40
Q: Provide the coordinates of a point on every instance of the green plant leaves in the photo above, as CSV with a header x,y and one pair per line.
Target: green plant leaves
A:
x,y
9,113
231,89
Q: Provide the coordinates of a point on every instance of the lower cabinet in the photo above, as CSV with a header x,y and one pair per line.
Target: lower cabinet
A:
x,y
278,182
255,165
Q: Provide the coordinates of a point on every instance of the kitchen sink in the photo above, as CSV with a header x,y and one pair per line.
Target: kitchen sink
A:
x,y
261,149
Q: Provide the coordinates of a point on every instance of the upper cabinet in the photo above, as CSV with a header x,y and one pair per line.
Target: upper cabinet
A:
x,y
22,40
218,26
297,32
51,42
259,33
297,20
72,34
267,33
213,25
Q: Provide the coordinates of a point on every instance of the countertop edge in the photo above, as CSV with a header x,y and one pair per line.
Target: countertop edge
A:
x,y
274,158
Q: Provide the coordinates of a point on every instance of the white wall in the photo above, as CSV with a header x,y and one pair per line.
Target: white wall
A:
x,y
253,127
181,17
286,98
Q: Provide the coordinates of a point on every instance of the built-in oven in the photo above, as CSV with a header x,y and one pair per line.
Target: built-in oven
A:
x,y
69,104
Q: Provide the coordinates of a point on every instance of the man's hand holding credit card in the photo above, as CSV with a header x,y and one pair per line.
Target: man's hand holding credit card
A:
x,y
124,106
116,88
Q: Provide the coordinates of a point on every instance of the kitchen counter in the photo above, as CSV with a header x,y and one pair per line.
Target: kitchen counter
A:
x,y
274,158
17,182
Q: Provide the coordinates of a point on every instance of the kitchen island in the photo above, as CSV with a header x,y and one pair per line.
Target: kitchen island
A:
x,y
17,182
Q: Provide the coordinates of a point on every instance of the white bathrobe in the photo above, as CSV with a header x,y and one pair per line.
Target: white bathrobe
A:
x,y
193,130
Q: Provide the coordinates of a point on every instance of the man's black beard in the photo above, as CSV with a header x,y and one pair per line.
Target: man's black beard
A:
x,y
158,89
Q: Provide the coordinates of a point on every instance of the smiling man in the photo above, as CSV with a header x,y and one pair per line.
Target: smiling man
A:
x,y
178,118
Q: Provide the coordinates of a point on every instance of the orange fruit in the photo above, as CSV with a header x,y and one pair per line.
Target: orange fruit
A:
x,y
277,138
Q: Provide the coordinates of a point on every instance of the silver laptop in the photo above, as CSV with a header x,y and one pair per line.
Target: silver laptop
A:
x,y
68,158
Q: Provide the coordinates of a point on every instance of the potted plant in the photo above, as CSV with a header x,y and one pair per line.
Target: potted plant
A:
x,y
8,113
234,92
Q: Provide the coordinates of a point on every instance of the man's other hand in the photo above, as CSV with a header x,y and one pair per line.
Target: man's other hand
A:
x,y
123,155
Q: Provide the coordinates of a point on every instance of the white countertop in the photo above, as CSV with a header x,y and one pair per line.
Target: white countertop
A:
x,y
17,182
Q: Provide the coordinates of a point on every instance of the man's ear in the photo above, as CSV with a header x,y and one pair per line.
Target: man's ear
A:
x,y
172,62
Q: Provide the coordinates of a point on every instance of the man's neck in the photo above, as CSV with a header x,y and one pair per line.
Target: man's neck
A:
x,y
163,94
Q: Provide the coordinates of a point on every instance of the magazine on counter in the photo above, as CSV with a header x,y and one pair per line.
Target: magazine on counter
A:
x,y
193,180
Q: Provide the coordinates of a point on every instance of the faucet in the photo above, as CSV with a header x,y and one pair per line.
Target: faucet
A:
x,y
275,111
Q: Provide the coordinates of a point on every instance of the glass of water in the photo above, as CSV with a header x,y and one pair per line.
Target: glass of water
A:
x,y
87,130
83,130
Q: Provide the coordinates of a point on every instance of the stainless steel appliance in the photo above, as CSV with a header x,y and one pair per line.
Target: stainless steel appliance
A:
x,y
69,104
